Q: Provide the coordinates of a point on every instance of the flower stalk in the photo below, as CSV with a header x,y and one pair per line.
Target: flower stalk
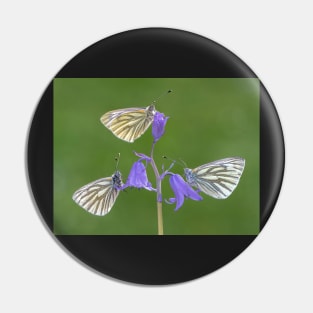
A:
x,y
160,218
159,192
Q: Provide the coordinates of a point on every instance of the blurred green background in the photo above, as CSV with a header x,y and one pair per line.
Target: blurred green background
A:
x,y
210,119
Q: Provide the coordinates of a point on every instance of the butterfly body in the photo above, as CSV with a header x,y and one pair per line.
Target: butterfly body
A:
x,y
130,123
217,179
99,196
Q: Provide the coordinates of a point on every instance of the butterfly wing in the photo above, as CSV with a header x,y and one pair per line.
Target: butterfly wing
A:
x,y
217,179
129,124
99,196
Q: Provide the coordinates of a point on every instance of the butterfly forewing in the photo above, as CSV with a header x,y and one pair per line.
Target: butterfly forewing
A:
x,y
217,179
99,196
130,123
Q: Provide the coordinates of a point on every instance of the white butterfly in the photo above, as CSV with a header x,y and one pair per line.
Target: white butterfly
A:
x,y
217,179
99,196
130,123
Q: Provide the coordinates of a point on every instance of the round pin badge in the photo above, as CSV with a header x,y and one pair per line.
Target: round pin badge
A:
x,y
155,156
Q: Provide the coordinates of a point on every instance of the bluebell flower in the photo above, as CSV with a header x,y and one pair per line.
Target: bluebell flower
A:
x,y
158,125
181,190
138,176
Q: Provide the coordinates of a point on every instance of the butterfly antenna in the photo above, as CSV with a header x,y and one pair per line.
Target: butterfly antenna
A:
x,y
117,159
183,162
173,161
163,94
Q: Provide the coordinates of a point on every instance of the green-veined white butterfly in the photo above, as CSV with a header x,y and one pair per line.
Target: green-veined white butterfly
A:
x,y
99,196
130,123
217,179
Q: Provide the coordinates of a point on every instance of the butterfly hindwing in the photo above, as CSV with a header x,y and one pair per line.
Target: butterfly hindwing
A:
x,y
217,179
130,123
99,196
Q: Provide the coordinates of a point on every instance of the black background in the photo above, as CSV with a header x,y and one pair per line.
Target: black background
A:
x,y
161,53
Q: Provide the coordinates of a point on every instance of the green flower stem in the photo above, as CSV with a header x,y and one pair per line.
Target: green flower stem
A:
x,y
159,193
160,218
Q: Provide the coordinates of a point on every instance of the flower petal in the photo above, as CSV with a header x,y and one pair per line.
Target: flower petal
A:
x,y
158,125
138,177
192,194
182,190
171,200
